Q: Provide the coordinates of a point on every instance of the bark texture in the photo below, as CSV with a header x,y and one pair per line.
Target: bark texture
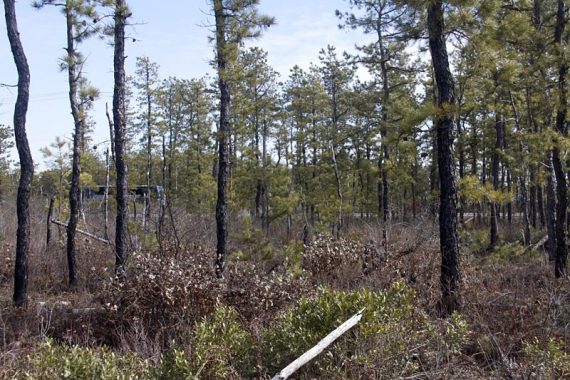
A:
x,y
223,141
449,279
20,297
561,184
119,138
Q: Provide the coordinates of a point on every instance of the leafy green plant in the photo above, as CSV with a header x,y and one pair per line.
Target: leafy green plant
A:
x,y
221,345
548,359
53,361
383,343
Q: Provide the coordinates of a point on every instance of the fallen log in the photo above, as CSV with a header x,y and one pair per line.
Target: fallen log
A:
x,y
82,232
319,347
540,243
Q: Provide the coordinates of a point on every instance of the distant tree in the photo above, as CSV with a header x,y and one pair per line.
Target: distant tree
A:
x,y
26,162
236,20
57,156
146,81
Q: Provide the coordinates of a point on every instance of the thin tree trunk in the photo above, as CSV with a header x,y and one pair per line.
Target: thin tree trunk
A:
x,y
444,125
106,194
338,191
561,184
526,220
494,231
121,236
73,78
223,141
48,222
551,209
20,297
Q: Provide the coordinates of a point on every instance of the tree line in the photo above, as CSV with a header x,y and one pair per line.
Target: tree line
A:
x,y
462,116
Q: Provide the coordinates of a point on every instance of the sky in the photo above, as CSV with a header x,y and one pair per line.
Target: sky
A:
x,y
172,33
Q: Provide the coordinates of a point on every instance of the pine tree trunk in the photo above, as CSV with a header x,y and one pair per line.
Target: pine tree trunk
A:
x,y
147,210
525,207
551,210
106,195
121,237
77,133
499,137
561,184
20,297
223,141
444,125
48,220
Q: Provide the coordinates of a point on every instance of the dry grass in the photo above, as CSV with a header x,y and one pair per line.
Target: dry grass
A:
x,y
508,301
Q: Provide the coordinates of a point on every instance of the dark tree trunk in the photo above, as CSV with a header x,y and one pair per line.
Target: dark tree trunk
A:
x,y
510,204
461,149
106,195
20,297
561,184
499,137
386,204
121,237
48,220
533,196
526,220
444,124
550,210
148,198
223,141
77,133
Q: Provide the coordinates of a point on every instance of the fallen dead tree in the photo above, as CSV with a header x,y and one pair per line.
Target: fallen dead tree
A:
x,y
89,235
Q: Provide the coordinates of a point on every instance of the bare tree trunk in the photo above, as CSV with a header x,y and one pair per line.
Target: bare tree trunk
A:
x,y
223,141
106,194
494,230
20,297
48,222
561,184
120,16
338,192
444,126
74,191
551,209
111,132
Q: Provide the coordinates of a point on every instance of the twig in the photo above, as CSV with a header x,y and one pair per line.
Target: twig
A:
x,y
82,232
316,350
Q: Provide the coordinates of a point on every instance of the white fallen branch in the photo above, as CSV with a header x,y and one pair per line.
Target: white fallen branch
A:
x,y
319,347
82,232
540,243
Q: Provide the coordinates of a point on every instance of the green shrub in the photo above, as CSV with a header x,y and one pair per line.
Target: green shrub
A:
x,y
456,333
222,347
382,344
547,360
175,365
53,361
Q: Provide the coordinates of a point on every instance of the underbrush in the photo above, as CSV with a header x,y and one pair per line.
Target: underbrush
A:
x,y
394,338
173,319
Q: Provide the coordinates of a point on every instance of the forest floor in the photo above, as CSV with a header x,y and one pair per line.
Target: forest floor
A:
x,y
173,319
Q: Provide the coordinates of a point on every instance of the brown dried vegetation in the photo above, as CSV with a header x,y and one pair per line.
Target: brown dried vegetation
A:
x,y
518,315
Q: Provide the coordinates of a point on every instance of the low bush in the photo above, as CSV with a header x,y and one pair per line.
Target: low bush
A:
x,y
387,343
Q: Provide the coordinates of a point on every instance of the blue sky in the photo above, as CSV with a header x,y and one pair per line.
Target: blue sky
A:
x,y
173,33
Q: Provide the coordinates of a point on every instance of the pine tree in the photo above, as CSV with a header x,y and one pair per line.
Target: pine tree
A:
x,y
236,20
81,21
